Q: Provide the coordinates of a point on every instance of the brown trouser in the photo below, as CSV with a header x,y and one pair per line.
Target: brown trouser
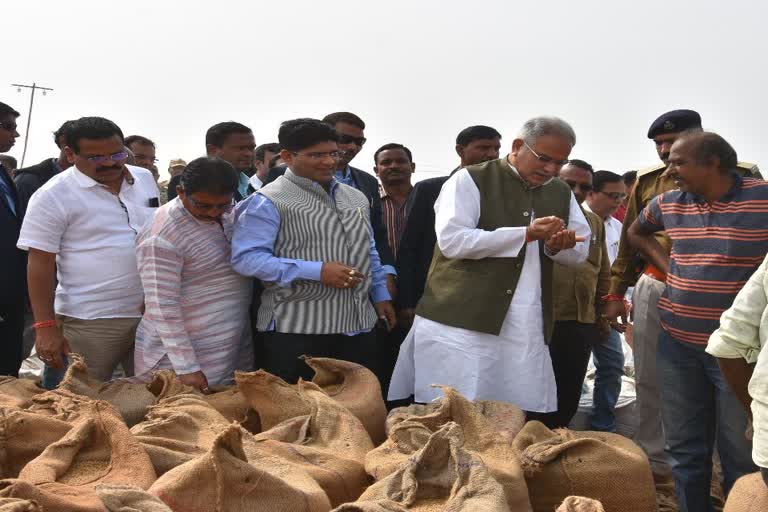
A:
x,y
103,342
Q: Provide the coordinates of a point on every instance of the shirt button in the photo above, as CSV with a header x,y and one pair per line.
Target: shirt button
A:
x,y
525,214
509,292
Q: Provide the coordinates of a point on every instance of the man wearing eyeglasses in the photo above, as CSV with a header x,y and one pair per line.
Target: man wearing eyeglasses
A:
x,y
143,150
577,291
195,321
309,239
12,283
83,222
629,269
607,195
485,319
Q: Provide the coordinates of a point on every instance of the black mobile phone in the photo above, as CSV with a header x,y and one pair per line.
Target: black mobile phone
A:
x,y
154,202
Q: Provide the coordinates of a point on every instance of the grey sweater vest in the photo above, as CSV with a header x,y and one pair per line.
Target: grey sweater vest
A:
x,y
315,227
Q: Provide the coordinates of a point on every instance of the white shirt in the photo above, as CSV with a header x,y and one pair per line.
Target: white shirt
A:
x,y
514,366
255,182
612,233
93,234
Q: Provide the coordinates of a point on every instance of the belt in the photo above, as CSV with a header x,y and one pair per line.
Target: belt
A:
x,y
655,273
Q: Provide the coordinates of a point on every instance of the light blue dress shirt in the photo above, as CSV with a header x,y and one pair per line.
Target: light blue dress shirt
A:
x,y
257,224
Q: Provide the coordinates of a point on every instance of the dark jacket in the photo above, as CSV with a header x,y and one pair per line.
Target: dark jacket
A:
x,y
172,187
418,241
368,185
13,282
31,178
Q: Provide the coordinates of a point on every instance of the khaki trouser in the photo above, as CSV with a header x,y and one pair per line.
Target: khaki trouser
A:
x,y
646,328
104,343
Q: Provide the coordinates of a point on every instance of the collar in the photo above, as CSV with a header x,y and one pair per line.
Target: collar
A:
x,y
255,182
85,181
346,172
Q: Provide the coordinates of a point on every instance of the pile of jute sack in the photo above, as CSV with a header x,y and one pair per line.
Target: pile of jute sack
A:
x,y
328,444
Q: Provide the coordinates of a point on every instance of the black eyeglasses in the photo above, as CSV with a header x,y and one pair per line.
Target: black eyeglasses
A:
x,y
349,139
115,157
546,159
582,186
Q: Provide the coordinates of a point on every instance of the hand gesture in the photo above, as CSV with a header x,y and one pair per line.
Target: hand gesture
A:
x,y
50,344
196,380
338,275
385,309
564,239
544,228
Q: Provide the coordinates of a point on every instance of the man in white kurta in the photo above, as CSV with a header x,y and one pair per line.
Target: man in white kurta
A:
x,y
513,366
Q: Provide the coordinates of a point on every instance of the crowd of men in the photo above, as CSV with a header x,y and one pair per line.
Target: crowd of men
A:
x,y
501,280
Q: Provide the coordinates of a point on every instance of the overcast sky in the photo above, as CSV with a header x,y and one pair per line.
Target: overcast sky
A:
x,y
416,71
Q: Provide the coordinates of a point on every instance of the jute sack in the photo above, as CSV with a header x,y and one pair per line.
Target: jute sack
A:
x,y
177,430
564,463
441,477
355,387
749,494
165,384
580,504
501,415
17,505
481,439
333,427
17,392
24,436
126,498
129,398
98,449
222,480
342,479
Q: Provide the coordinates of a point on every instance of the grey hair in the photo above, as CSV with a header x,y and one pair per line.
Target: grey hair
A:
x,y
546,125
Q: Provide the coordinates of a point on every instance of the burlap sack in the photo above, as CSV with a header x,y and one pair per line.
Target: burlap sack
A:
x,y
17,393
342,479
231,403
501,415
749,494
580,504
130,399
17,505
97,449
24,436
271,397
564,463
179,429
165,384
125,498
222,480
481,439
440,477
355,387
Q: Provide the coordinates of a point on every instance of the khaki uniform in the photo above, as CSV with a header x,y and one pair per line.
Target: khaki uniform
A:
x,y
626,271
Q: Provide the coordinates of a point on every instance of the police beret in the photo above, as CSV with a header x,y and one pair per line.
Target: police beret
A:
x,y
674,122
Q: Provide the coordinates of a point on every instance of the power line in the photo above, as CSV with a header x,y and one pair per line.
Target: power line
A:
x,y
34,88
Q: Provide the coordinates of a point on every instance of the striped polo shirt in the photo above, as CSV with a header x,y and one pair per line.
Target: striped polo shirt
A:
x,y
715,249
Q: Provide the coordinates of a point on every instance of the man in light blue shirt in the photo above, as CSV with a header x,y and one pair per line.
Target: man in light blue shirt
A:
x,y
309,239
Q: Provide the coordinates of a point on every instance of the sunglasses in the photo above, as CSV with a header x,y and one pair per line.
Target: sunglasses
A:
x,y
319,155
349,139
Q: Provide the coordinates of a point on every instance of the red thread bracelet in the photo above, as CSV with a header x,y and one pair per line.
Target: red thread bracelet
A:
x,y
44,324
612,298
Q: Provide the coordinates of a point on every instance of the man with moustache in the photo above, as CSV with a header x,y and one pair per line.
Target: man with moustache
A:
x,y
263,156
83,222
486,316
629,268
12,282
195,321
474,145
716,223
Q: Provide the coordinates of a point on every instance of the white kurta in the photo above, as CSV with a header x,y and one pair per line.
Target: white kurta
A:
x,y
512,367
